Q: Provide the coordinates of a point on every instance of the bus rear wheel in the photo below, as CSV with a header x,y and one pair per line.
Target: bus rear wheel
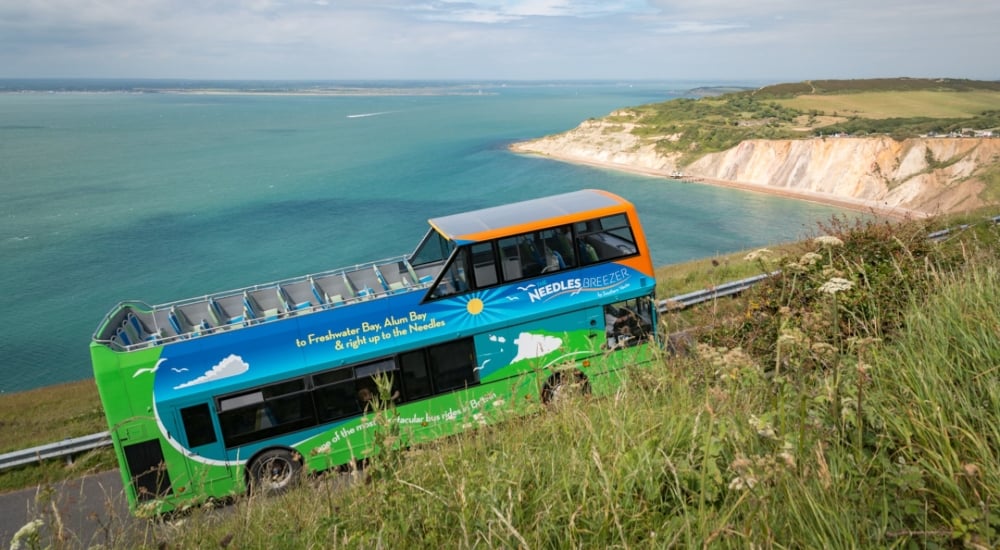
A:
x,y
562,384
274,472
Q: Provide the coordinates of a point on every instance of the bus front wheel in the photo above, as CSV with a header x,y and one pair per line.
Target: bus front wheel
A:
x,y
274,472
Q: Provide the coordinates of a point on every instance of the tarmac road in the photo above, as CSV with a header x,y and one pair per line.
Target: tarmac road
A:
x,y
92,511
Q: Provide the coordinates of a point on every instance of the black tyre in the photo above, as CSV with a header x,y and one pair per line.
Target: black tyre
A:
x,y
274,472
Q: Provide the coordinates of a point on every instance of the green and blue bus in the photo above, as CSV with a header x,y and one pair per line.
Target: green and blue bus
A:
x,y
492,313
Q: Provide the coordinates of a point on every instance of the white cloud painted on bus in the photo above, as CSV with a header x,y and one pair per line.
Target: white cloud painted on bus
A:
x,y
233,365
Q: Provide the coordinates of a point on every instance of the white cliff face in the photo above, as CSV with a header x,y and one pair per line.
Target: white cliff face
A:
x,y
926,174
931,175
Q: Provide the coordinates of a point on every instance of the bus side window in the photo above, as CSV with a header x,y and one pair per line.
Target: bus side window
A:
x,y
511,259
484,264
334,394
605,239
561,241
198,427
453,280
453,365
416,381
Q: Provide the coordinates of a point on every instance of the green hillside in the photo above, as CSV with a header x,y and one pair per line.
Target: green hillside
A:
x,y
901,108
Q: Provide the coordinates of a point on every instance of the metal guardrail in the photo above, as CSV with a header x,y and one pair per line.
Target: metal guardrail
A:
x,y
684,301
66,448
938,236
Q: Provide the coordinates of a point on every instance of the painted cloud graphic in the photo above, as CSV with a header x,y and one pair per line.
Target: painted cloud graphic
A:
x,y
530,345
230,366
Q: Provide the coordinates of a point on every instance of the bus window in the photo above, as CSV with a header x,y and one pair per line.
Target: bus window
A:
x,y
557,257
433,248
453,280
265,412
484,265
416,380
510,259
453,365
605,239
366,385
197,421
628,323
560,241
334,394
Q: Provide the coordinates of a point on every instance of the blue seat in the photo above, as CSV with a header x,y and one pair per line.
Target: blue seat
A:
x,y
175,323
289,304
219,315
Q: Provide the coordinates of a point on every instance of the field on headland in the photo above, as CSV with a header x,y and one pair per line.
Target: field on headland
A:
x,y
878,105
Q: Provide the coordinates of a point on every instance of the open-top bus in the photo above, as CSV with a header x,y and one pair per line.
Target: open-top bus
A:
x,y
495,308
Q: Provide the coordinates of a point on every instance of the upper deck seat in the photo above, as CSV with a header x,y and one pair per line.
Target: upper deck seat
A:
x,y
291,305
182,324
220,317
136,331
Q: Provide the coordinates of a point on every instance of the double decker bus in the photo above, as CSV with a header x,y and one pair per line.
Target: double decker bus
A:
x,y
493,312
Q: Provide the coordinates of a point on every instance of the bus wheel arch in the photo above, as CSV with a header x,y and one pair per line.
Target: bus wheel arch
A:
x,y
273,471
562,382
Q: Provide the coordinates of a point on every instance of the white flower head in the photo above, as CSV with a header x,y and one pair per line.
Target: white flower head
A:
x,y
836,285
810,258
27,533
758,255
828,240
740,483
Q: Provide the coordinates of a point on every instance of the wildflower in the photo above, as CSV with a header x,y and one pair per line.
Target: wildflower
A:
x,y
836,285
763,427
788,458
740,483
794,268
823,349
829,271
828,240
810,258
28,533
757,255
792,337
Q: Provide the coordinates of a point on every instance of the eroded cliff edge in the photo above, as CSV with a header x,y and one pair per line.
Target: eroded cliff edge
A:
x,y
927,175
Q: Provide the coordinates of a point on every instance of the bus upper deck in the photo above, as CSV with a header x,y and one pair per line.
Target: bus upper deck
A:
x,y
476,249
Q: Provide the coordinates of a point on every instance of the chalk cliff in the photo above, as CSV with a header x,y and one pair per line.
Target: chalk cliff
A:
x,y
929,175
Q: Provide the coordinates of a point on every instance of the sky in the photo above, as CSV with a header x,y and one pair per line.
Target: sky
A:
x,y
780,40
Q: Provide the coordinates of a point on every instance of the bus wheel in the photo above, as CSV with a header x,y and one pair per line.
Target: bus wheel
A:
x,y
564,383
274,472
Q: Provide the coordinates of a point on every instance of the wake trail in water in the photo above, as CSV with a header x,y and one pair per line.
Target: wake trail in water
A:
x,y
362,115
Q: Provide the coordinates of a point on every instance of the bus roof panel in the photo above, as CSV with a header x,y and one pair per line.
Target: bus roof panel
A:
x,y
460,226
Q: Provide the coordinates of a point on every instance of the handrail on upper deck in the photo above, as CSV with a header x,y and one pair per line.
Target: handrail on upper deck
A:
x,y
386,289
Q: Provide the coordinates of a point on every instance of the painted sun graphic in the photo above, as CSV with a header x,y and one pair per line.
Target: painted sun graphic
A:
x,y
475,306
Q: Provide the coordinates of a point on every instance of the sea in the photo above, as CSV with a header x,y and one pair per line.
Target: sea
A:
x,y
155,190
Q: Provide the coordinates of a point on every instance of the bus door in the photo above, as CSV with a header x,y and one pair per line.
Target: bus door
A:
x,y
200,440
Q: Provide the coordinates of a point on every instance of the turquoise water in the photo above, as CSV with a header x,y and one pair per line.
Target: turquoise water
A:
x,y
108,196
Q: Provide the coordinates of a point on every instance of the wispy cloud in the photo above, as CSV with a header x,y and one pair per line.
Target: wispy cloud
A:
x,y
697,27
499,11
498,39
